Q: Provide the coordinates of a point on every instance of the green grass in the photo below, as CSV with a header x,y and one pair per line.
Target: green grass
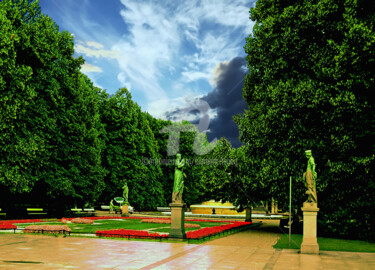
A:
x,y
331,244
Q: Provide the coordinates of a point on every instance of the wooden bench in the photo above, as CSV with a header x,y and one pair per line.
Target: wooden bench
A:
x,y
36,211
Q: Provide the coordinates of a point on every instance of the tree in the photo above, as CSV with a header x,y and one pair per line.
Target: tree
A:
x,y
311,66
130,141
232,177
50,128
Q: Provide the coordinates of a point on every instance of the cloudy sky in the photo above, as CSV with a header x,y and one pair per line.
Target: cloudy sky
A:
x,y
168,53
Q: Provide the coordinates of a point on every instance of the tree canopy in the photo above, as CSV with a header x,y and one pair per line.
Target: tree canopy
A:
x,y
311,66
50,125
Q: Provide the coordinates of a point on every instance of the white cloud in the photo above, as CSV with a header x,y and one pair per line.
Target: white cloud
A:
x,y
95,52
124,81
86,68
95,44
215,31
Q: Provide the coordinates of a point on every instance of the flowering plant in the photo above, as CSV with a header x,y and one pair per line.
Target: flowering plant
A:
x,y
157,220
7,226
46,228
82,221
129,233
209,231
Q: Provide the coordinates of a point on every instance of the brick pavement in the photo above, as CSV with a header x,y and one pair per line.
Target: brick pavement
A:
x,y
245,250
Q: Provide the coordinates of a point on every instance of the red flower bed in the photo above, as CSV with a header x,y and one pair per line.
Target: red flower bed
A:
x,y
7,226
21,221
121,233
214,230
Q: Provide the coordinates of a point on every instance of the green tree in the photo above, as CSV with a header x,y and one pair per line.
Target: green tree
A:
x,y
232,177
130,141
49,145
311,66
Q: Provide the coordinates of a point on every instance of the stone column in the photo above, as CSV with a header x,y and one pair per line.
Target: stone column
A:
x,y
125,210
309,243
177,221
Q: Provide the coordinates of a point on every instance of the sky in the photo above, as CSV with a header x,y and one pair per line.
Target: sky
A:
x,y
169,54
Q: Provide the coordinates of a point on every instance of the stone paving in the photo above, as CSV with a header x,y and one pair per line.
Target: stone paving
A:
x,y
246,250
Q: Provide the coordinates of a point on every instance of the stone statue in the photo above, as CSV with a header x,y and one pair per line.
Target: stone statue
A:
x,y
125,194
178,186
111,207
310,178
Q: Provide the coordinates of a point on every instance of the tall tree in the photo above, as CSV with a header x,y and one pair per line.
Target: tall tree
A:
x,y
311,66
232,176
130,141
50,126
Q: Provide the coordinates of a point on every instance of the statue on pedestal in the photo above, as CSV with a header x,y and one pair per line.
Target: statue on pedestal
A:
x,y
178,186
310,178
125,194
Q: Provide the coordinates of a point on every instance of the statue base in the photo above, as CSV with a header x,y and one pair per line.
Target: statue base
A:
x,y
177,221
125,210
309,242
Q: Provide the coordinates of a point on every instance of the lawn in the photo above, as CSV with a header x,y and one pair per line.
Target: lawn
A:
x,y
110,224
331,244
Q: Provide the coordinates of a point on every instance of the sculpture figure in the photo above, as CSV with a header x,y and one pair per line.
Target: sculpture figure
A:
x,y
111,207
178,186
310,178
125,194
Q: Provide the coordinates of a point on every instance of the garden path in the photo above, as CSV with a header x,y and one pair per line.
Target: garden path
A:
x,y
244,250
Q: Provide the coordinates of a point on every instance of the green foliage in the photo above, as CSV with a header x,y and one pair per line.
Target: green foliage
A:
x,y
232,176
130,140
50,126
311,73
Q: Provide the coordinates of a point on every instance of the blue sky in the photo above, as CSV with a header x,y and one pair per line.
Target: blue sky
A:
x,y
166,53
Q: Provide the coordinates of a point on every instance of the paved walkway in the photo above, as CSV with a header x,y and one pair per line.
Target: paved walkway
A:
x,y
246,250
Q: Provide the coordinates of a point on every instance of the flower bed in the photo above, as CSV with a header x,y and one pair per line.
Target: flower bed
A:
x,y
157,220
47,228
197,234
78,221
208,232
20,221
7,226
123,233
191,225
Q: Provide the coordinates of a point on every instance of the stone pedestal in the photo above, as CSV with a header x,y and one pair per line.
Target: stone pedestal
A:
x,y
177,221
125,210
309,242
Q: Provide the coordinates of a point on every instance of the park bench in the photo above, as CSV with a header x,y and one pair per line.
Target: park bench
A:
x,y
89,210
36,211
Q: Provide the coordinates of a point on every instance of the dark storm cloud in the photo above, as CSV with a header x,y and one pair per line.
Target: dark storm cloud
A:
x,y
226,99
